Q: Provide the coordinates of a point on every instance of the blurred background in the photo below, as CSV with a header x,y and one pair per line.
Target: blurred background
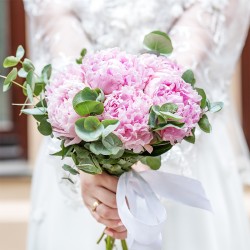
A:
x,y
18,148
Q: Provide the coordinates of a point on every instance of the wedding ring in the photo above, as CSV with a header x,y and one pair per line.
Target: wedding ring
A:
x,y
95,205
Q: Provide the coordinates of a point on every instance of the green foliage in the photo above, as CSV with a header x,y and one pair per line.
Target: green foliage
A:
x,y
215,107
82,55
202,93
70,169
164,116
158,42
188,76
9,79
153,162
191,138
20,52
28,65
10,61
85,102
204,124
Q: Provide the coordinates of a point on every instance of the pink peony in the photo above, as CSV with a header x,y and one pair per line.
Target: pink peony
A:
x,y
111,69
59,95
131,107
173,89
157,66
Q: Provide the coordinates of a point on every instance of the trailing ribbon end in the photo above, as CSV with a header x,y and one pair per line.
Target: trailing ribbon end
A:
x,y
142,212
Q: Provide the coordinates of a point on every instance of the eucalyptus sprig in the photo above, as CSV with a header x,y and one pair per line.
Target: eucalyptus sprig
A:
x,y
33,87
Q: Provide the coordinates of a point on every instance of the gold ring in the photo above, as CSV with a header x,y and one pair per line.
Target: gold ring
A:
x,y
95,205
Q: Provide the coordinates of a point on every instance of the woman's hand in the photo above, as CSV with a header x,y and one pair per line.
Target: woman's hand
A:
x,y
102,189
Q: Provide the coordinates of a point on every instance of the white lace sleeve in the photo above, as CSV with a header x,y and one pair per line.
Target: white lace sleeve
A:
x,y
208,37
55,31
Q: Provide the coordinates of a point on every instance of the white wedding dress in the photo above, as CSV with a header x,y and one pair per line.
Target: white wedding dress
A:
x,y
208,36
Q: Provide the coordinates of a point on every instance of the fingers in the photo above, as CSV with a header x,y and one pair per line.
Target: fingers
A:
x,y
107,212
103,180
106,197
115,234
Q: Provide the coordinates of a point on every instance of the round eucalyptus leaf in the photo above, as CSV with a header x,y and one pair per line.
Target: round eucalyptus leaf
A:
x,y
10,61
202,93
204,124
85,135
44,127
8,81
87,94
158,41
20,52
216,107
89,108
188,76
153,162
28,65
91,123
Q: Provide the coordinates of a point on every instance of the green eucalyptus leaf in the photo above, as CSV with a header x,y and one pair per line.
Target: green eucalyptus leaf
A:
x,y
91,123
28,65
160,149
169,107
81,152
35,111
44,127
46,72
153,162
70,169
118,155
83,52
188,76
39,88
89,108
39,118
20,52
202,93
29,79
152,119
86,135
29,93
25,88
10,61
74,158
101,96
170,116
65,151
177,125
89,167
112,143
109,126
87,94
8,81
99,149
216,107
159,42
191,138
204,124
22,73
68,179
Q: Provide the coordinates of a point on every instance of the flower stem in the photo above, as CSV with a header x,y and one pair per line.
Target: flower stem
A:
x,y
100,239
124,245
16,83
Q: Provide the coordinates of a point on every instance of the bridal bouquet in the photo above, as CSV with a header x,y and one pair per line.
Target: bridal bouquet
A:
x,y
112,109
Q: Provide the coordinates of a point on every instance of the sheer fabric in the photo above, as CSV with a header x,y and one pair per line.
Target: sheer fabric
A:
x,y
208,37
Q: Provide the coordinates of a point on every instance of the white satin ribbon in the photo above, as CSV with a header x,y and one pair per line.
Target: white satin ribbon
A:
x,y
145,216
